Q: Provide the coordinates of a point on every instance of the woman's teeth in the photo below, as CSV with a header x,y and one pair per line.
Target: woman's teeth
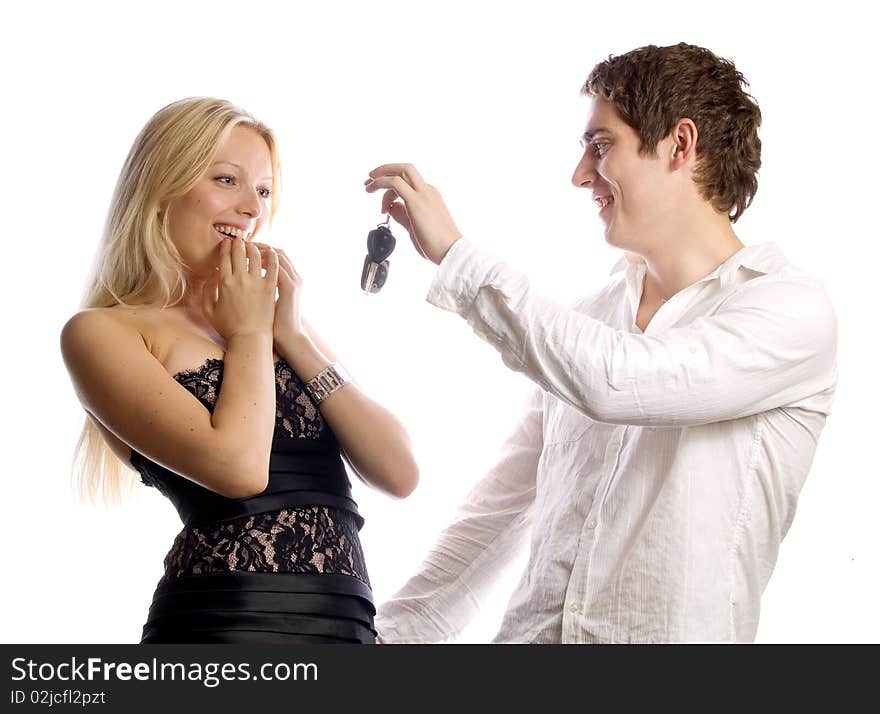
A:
x,y
231,231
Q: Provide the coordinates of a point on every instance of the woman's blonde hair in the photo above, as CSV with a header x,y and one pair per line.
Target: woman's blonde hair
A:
x,y
136,262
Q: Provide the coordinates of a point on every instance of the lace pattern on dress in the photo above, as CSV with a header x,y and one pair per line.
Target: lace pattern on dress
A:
x,y
296,416
305,539
203,381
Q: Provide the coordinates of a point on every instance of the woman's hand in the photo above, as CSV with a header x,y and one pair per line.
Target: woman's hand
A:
x,y
288,322
237,299
423,213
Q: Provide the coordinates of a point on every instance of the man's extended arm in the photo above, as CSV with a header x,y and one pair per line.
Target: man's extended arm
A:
x,y
444,595
772,343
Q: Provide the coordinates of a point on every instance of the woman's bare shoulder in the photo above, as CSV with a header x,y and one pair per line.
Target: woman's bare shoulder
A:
x,y
124,317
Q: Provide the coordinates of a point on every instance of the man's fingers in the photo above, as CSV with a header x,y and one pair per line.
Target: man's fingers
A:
x,y
399,214
387,199
396,183
409,173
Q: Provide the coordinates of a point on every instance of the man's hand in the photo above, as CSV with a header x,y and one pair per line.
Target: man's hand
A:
x,y
420,210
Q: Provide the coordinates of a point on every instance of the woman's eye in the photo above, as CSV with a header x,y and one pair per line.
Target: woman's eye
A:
x,y
265,192
228,180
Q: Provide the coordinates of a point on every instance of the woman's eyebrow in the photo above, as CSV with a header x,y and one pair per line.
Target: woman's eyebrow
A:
x,y
238,166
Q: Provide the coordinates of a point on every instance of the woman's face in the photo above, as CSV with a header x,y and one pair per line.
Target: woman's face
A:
x,y
232,198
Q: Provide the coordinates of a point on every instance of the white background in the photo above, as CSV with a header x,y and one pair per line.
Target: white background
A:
x,y
484,98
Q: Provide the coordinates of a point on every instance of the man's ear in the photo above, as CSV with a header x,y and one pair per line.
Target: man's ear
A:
x,y
684,142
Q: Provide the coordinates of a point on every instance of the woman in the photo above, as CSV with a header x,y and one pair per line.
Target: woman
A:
x,y
177,305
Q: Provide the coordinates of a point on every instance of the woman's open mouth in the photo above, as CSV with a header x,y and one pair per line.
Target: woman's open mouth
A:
x,y
230,232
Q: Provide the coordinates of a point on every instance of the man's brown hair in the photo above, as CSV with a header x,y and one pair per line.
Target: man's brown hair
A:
x,y
653,87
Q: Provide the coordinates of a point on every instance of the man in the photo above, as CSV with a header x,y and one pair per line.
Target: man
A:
x,y
677,409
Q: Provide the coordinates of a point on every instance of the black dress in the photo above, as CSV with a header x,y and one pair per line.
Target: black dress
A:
x,y
284,566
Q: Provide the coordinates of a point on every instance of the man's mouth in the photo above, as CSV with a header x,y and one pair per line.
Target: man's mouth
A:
x,y
603,201
231,231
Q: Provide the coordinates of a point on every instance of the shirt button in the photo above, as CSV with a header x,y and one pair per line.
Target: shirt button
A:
x,y
591,524
574,607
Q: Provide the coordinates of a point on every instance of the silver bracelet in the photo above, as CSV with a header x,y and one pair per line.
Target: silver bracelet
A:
x,y
327,381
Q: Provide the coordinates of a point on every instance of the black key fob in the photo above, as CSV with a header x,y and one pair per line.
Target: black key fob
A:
x,y
380,243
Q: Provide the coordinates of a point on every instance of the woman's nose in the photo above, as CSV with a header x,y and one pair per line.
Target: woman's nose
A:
x,y
249,203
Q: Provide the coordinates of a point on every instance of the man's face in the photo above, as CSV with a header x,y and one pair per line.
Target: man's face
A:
x,y
631,191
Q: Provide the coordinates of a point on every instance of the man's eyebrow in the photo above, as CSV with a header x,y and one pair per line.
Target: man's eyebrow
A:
x,y
590,133
232,163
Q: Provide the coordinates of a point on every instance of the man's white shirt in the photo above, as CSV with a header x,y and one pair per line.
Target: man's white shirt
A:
x,y
654,474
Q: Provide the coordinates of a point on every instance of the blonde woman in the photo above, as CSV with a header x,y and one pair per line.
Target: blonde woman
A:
x,y
183,300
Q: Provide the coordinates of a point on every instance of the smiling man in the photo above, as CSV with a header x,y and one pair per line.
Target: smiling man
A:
x,y
677,408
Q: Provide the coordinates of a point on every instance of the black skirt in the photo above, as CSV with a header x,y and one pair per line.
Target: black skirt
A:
x,y
261,608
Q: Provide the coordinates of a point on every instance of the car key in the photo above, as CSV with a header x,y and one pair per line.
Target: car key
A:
x,y
380,244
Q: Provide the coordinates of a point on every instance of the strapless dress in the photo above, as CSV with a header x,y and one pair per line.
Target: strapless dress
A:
x,y
284,566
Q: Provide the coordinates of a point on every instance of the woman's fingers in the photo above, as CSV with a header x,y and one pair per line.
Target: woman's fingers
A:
x,y
271,265
239,256
285,267
288,264
225,259
254,259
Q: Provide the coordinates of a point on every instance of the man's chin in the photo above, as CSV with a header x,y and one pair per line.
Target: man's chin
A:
x,y
612,237
620,240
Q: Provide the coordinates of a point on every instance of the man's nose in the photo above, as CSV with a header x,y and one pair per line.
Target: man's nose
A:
x,y
585,172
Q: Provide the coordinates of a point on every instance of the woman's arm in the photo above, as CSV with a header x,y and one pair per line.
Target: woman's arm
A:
x,y
124,387
374,441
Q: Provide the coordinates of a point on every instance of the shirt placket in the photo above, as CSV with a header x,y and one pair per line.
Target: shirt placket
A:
x,y
573,629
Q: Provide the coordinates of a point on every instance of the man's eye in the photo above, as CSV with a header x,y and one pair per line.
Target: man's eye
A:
x,y
598,148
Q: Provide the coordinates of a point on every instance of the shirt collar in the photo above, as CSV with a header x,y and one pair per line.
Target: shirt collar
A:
x,y
761,258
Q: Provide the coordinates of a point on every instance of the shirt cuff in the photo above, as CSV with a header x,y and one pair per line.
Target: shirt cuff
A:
x,y
458,277
388,633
